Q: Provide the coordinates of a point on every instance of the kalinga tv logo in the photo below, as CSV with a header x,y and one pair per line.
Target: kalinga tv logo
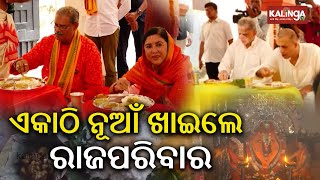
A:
x,y
287,14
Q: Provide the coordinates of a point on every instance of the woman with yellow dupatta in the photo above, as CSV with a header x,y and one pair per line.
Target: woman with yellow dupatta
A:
x,y
161,73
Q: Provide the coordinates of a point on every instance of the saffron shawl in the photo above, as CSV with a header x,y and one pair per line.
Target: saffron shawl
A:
x,y
66,78
90,6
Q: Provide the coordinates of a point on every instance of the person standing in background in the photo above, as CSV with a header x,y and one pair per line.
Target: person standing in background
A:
x,y
133,21
184,38
215,37
312,29
254,11
102,27
165,14
8,40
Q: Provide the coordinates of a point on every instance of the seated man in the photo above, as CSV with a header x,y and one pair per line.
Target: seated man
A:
x,y
244,55
297,63
70,60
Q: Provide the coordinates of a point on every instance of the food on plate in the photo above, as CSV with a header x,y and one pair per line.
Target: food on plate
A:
x,y
110,105
273,85
100,100
120,102
101,96
6,84
22,83
131,99
210,81
21,86
213,81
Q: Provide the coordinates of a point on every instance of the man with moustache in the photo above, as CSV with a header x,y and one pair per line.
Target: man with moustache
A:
x,y
245,55
70,60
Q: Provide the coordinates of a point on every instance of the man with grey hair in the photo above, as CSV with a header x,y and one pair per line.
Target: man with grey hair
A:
x,y
254,12
70,60
245,54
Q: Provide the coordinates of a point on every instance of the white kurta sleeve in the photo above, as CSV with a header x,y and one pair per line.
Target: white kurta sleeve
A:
x,y
272,61
227,61
228,31
202,38
265,56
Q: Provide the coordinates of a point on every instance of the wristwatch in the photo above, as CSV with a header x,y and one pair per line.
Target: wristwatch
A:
x,y
139,11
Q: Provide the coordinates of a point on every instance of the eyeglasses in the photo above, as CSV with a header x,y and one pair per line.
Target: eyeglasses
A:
x,y
63,27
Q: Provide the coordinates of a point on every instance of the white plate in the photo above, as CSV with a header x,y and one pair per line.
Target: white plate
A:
x,y
273,85
133,98
213,81
19,84
120,102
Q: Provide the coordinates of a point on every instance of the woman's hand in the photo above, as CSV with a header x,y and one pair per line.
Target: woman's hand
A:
x,y
21,66
121,85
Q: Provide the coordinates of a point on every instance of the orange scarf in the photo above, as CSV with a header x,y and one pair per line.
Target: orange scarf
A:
x,y
8,43
8,35
157,86
91,7
66,78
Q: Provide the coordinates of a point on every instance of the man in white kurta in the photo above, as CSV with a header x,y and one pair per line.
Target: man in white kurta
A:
x,y
214,40
245,54
298,64
102,27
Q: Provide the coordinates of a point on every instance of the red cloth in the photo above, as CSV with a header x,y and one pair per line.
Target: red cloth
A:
x,y
312,29
46,99
311,32
164,13
88,74
170,84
